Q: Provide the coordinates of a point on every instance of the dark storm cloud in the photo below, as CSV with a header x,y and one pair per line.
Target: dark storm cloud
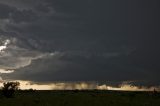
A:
x,y
23,16
144,35
15,15
73,22
5,11
95,40
65,67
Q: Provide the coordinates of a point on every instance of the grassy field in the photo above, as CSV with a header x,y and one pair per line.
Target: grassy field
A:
x,y
81,98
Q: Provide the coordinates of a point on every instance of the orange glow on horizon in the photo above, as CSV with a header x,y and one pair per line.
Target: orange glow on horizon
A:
x,y
79,86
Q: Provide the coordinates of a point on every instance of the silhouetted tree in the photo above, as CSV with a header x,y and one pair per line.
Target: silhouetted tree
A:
x,y
9,88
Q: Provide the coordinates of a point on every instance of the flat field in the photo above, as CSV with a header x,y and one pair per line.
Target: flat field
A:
x,y
81,98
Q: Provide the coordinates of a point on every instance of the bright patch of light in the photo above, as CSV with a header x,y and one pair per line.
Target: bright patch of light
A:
x,y
80,86
4,46
6,71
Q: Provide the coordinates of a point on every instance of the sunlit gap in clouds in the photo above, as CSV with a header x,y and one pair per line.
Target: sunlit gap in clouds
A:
x,y
24,85
4,45
4,71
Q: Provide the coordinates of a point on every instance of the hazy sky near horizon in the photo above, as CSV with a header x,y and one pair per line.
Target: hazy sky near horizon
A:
x,y
80,40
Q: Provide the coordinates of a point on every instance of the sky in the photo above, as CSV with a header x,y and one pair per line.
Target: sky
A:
x,y
109,42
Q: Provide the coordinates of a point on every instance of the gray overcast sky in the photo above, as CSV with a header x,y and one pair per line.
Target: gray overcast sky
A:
x,y
80,40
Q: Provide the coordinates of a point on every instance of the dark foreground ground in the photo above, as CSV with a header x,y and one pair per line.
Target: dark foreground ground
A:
x,y
81,98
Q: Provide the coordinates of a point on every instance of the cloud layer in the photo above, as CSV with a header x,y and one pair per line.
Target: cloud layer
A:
x,y
13,57
58,40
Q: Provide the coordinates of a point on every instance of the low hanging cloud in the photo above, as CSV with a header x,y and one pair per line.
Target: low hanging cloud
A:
x,y
13,57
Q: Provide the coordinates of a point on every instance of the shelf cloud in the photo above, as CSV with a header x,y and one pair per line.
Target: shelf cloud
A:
x,y
88,40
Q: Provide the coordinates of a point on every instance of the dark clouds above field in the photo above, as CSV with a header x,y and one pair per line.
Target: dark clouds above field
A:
x,y
85,40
